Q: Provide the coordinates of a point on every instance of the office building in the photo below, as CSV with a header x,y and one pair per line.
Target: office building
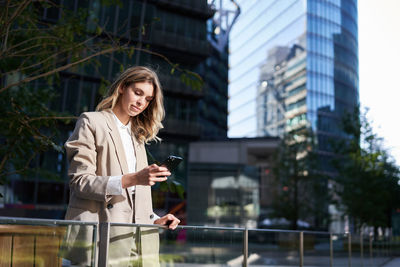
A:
x,y
175,29
293,63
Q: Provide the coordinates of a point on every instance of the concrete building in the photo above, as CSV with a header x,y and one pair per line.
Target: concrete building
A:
x,y
226,178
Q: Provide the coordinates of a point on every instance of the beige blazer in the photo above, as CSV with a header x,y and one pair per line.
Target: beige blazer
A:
x,y
95,152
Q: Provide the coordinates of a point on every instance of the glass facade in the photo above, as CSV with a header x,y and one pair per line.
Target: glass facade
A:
x,y
293,64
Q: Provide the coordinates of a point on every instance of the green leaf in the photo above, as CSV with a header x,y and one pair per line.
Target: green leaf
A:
x,y
179,189
164,186
99,30
172,187
131,51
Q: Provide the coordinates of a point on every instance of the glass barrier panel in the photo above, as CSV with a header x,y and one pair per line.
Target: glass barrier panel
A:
x,y
394,242
131,245
381,250
317,250
150,246
357,250
340,250
200,246
45,244
371,257
78,246
273,248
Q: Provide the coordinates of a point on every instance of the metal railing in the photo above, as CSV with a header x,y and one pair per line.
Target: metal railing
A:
x,y
193,245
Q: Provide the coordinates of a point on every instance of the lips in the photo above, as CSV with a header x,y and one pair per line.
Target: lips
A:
x,y
135,109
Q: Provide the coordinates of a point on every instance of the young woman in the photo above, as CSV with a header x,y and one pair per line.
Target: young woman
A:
x,y
110,180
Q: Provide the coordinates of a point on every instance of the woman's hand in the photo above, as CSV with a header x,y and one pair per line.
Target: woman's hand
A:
x,y
170,220
148,176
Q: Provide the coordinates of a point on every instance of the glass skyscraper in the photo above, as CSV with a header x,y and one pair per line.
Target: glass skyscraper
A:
x,y
293,64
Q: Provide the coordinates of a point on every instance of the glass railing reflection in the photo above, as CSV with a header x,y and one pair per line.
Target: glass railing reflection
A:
x,y
192,245
340,251
272,248
34,242
130,245
26,242
317,249
148,246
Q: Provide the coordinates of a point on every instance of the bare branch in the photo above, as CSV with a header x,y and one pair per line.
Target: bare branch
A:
x,y
19,53
27,41
8,22
53,118
50,57
7,154
29,79
22,169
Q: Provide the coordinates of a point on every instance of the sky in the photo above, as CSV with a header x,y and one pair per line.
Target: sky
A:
x,y
379,68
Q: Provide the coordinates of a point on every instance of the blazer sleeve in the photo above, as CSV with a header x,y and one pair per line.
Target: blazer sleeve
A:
x,y
82,155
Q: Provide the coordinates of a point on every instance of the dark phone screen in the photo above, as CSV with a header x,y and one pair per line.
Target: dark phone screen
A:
x,y
171,162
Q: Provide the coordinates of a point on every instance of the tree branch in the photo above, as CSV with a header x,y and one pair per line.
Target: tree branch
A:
x,y
29,79
27,41
8,22
22,169
53,118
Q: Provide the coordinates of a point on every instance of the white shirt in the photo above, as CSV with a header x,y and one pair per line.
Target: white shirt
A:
x,y
114,185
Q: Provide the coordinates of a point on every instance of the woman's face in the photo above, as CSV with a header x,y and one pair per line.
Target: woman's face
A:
x,y
135,98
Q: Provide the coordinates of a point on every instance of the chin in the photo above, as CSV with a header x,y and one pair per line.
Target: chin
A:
x,y
133,113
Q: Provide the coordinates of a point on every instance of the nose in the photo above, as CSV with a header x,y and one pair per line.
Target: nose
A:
x,y
140,101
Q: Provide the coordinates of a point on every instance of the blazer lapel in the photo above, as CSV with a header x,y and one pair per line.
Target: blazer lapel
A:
x,y
141,191
116,138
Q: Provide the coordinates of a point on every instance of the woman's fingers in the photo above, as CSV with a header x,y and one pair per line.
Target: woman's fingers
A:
x,y
158,179
154,174
169,220
158,174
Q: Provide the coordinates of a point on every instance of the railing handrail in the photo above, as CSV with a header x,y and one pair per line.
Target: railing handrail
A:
x,y
43,221
23,220
102,230
202,227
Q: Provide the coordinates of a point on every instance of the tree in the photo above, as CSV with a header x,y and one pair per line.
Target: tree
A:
x,y
300,187
367,181
34,52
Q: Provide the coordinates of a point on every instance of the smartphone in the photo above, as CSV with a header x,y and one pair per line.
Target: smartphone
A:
x,y
171,162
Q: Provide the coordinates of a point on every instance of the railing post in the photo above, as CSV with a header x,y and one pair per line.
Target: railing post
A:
x,y
103,244
139,240
330,250
349,247
370,249
94,244
301,249
362,248
245,246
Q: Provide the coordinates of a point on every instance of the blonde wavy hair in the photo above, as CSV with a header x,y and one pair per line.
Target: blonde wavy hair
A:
x,y
147,124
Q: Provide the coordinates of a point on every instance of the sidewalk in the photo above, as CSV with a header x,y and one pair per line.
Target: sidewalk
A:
x,y
395,262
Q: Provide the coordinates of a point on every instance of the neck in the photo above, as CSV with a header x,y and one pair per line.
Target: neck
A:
x,y
123,117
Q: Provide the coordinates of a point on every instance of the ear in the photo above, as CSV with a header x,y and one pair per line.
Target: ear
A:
x,y
120,89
